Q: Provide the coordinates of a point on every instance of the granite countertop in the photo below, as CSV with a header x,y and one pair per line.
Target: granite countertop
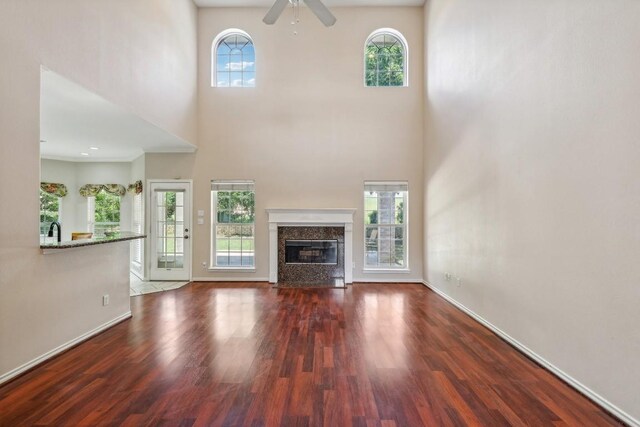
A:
x,y
118,237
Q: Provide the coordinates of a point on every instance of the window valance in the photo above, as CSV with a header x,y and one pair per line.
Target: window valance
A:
x,y
135,188
91,190
59,190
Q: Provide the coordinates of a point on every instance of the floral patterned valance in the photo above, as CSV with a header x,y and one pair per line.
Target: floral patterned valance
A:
x,y
59,190
135,188
91,190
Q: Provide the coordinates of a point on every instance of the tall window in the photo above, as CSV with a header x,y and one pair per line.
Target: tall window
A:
x,y
385,229
385,59
103,213
233,60
49,211
233,224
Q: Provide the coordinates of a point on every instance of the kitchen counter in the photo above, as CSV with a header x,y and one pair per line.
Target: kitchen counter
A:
x,y
118,237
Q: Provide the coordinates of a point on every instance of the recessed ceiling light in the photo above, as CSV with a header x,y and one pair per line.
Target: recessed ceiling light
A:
x,y
84,154
93,148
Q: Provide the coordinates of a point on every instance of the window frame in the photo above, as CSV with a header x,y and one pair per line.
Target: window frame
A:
x,y
214,56
398,35
214,223
405,226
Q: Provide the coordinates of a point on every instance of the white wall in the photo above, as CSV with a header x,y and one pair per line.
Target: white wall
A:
x,y
138,174
310,133
532,193
140,55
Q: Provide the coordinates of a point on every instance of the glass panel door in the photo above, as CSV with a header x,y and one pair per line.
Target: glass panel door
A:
x,y
170,212
170,232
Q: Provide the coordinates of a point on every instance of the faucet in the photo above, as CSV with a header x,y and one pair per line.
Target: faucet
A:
x,y
56,223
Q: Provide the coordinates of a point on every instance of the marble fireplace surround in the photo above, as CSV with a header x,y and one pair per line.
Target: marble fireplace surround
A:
x,y
310,218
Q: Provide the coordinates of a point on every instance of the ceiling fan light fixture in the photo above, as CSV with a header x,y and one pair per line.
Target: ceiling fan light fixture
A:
x,y
316,6
295,7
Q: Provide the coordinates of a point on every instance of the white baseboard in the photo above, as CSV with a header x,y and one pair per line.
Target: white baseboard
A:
x,y
48,355
378,280
266,279
230,279
595,397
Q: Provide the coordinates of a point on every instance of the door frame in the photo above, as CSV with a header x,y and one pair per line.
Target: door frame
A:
x,y
148,225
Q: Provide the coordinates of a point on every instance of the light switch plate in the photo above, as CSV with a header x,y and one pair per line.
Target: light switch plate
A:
x,y
200,221
200,213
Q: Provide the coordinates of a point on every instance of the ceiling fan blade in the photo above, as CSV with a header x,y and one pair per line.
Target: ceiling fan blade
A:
x,y
274,13
321,11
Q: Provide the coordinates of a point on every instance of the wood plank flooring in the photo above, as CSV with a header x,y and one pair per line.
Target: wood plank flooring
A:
x,y
249,355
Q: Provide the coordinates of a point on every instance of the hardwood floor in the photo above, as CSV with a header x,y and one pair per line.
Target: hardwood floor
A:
x,y
249,355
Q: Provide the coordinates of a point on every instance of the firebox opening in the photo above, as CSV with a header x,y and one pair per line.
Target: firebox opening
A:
x,y
311,252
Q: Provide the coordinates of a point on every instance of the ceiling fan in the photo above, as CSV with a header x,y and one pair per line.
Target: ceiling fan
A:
x,y
316,6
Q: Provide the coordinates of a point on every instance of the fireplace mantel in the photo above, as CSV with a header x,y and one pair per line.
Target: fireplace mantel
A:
x,y
311,217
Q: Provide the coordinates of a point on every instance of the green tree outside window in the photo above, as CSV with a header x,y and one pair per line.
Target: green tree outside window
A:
x,y
384,61
107,213
49,210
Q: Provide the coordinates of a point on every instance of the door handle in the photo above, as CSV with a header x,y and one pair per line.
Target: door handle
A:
x,y
186,230
186,237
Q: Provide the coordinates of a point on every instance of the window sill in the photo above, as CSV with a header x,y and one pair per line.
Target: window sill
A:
x,y
233,269
386,270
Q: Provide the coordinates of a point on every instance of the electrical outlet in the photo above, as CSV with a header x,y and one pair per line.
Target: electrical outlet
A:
x,y
447,277
459,281
204,264
105,300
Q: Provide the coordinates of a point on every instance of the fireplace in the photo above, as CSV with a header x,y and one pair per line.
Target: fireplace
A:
x,y
310,255
311,225
311,252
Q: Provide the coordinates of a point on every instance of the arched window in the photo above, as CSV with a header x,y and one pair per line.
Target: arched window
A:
x,y
233,60
385,59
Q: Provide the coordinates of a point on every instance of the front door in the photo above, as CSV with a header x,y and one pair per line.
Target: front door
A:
x,y
170,230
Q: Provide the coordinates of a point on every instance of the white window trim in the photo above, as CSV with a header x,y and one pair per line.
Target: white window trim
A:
x,y
234,269
405,268
91,214
213,222
137,226
371,270
214,53
405,45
